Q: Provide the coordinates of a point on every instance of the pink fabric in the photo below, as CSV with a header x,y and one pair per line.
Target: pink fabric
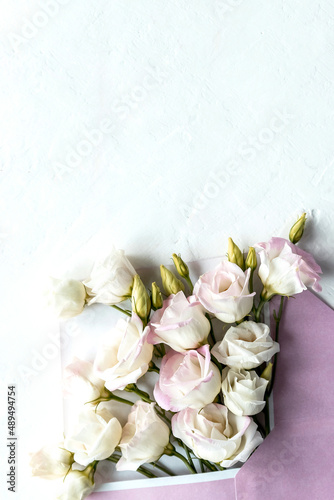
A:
x,y
295,460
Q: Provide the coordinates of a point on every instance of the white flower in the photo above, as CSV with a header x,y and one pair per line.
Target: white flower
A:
x,y
225,293
125,355
215,434
180,323
187,379
144,437
95,436
243,391
111,280
246,346
66,297
286,269
51,461
81,381
77,486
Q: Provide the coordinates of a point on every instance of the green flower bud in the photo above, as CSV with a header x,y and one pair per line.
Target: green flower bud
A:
x,y
156,296
180,266
234,254
170,282
141,302
251,260
267,372
296,232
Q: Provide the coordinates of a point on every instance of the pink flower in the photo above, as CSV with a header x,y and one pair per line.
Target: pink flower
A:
x,y
215,434
225,293
285,269
81,381
180,323
187,379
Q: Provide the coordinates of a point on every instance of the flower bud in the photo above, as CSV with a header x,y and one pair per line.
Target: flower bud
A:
x,y
141,303
180,266
235,255
251,260
156,297
267,372
78,484
66,297
296,232
171,284
51,461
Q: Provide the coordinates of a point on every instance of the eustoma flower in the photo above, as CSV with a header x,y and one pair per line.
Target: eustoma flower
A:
x,y
111,280
77,486
51,461
125,355
95,436
180,323
243,391
144,437
285,269
81,381
66,297
225,292
215,434
187,379
246,346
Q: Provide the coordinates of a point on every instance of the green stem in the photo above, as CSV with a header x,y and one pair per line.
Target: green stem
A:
x,y
128,313
185,461
153,367
251,287
143,395
163,468
211,330
259,309
121,400
110,397
191,286
163,416
186,449
277,319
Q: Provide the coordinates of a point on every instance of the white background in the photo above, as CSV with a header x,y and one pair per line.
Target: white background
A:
x,y
162,126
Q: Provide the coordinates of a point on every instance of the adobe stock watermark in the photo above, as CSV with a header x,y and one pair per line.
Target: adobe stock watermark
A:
x,y
32,26
41,358
120,111
247,151
287,452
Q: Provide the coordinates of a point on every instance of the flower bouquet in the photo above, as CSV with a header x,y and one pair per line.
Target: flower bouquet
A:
x,y
202,352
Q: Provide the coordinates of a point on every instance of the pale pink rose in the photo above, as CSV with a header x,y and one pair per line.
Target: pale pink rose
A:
x,y
247,346
77,485
95,435
187,379
180,323
243,391
125,355
225,293
51,461
81,381
111,280
144,437
216,434
66,297
285,269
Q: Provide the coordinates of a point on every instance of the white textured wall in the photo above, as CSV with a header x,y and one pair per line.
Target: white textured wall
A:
x,y
163,125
